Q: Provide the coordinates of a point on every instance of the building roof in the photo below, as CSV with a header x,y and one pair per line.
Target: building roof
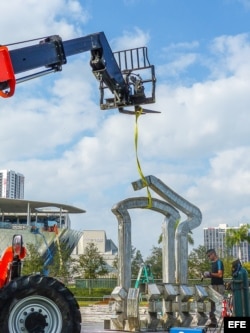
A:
x,y
23,206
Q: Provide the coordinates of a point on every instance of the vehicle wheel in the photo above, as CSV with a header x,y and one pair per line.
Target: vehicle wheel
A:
x,y
38,304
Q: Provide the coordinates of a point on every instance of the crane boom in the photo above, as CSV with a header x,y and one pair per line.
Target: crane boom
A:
x,y
118,72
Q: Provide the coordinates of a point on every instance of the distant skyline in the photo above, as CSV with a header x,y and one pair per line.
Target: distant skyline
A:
x,y
53,131
11,184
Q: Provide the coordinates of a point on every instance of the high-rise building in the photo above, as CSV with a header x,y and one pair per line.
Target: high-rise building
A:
x,y
11,184
215,238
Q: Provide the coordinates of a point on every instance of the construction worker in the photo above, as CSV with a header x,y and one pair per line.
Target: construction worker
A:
x,y
217,282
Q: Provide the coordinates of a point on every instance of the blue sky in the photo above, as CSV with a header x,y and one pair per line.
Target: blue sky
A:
x,y
70,151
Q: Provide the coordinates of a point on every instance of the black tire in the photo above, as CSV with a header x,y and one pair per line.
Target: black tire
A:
x,y
38,304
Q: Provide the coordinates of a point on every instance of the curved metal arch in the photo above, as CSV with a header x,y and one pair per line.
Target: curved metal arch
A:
x,y
193,220
124,236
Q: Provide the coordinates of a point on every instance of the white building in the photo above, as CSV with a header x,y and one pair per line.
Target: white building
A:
x,y
106,247
215,238
11,184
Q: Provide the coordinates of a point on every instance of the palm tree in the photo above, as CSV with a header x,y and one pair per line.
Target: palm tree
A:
x,y
237,236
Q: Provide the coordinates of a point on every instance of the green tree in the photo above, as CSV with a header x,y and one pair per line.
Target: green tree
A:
x,y
198,263
92,262
136,262
227,261
234,237
246,265
33,262
155,262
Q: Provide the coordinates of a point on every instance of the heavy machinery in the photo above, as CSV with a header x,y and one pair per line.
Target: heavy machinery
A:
x,y
119,73
33,303
38,303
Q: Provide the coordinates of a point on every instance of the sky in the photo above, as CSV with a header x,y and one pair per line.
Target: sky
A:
x,y
70,151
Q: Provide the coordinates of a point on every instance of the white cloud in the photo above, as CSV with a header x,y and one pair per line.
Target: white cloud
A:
x,y
69,150
231,54
131,39
28,21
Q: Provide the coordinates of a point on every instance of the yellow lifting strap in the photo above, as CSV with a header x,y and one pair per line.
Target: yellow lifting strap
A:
x,y
137,115
58,247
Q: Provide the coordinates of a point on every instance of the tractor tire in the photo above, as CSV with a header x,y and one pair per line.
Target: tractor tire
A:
x,y
38,304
